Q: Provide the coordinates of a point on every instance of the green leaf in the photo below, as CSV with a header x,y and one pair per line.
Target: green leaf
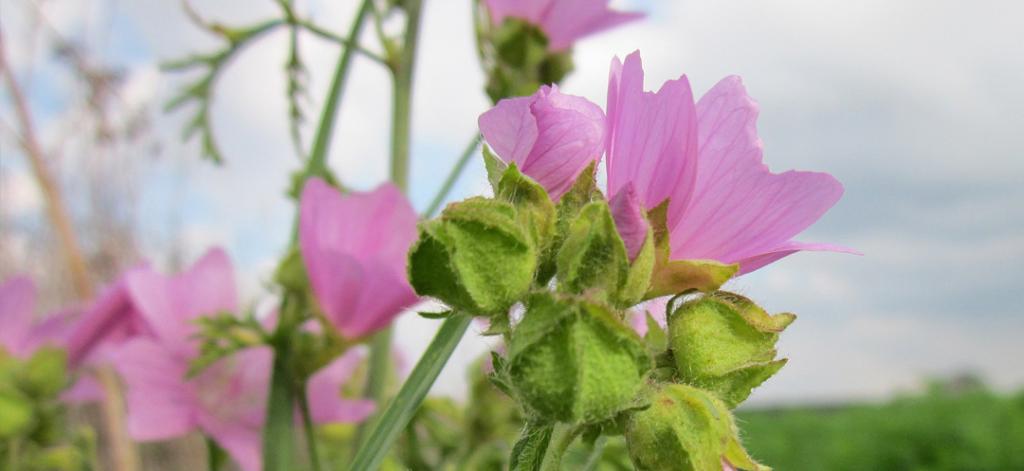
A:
x,y
528,452
411,395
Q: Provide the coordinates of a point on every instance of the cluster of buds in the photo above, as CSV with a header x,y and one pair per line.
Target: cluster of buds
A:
x,y
572,357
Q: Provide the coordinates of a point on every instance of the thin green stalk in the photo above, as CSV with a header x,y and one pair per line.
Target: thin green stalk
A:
x,y
402,70
278,439
409,398
307,426
376,383
402,109
563,436
595,454
215,455
453,176
318,156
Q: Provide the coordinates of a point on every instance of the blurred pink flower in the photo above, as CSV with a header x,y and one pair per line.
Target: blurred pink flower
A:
x,y
226,400
355,250
550,136
562,21
20,335
725,204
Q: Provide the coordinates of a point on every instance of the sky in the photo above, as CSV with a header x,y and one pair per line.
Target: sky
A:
x,y
916,106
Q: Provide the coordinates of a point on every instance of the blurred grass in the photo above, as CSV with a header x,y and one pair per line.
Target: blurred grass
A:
x,y
956,425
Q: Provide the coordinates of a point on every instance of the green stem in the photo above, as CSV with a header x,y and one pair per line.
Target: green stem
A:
x,y
595,454
563,436
376,382
453,176
318,156
307,426
278,441
409,398
402,109
216,457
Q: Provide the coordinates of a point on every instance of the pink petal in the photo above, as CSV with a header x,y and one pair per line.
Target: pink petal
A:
x,y
740,210
355,250
530,10
243,442
567,21
511,129
652,138
324,392
171,303
750,264
112,318
551,136
17,306
84,391
656,307
629,220
161,405
53,331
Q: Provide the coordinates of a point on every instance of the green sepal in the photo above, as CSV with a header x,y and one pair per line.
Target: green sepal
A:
x,y
678,276
532,201
735,386
685,429
495,168
572,360
528,452
476,257
725,343
593,257
436,315
499,377
517,59
583,191
656,337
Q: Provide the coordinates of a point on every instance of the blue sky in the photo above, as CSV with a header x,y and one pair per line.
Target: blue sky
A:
x,y
915,105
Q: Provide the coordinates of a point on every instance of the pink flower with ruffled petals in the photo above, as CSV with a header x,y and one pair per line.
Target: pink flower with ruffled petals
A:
x,y
562,21
355,250
706,158
550,136
110,320
20,335
226,400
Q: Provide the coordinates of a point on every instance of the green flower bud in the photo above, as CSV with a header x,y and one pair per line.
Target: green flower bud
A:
x,y
684,429
593,259
574,361
726,344
476,257
517,59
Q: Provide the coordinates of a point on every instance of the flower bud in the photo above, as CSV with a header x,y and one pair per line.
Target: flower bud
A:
x,y
574,361
725,343
476,257
684,429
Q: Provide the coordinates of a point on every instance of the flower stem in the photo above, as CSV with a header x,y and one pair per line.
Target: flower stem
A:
x,y
215,455
278,441
376,383
460,165
563,436
307,425
409,398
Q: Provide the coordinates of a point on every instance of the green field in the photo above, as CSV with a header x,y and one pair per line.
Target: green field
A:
x,y
954,426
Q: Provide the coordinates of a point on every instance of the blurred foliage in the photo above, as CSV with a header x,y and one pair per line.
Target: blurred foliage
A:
x,y
33,432
956,425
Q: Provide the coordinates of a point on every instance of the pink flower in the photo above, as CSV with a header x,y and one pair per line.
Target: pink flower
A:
x,y
562,21
724,203
550,136
704,158
355,250
227,400
19,334
111,320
